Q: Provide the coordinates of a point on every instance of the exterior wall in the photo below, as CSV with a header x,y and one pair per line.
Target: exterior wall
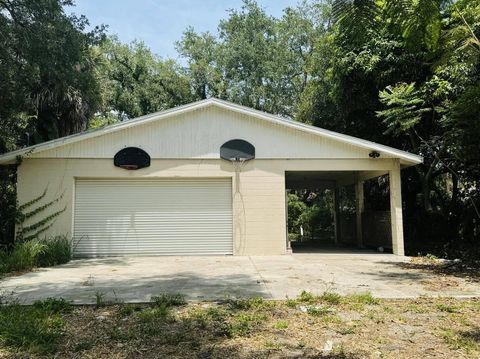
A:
x,y
258,208
200,134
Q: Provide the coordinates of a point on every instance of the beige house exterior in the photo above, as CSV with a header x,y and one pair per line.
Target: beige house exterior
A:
x,y
184,145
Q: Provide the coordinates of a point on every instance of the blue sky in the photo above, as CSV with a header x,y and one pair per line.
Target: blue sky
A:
x,y
159,23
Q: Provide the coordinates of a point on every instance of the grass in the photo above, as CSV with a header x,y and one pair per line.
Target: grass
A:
x,y
99,299
35,329
244,323
331,298
362,298
155,313
318,311
306,297
360,324
448,308
248,303
27,255
460,340
281,324
169,300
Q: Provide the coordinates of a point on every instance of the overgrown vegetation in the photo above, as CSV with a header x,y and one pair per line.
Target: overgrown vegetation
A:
x,y
352,326
36,329
45,252
32,248
402,73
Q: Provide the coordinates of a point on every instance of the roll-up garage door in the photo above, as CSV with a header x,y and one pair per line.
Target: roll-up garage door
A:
x,y
153,217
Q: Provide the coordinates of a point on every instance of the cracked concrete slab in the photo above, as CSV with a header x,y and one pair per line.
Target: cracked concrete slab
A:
x,y
137,279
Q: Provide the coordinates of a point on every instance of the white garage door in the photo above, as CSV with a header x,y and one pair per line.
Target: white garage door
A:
x,y
153,217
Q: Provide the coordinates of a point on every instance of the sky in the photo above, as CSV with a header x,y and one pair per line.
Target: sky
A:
x,y
159,23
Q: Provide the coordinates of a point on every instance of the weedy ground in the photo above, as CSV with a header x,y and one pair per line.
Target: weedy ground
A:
x,y
309,326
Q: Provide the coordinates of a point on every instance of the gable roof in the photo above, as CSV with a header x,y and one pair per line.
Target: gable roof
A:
x,y
406,158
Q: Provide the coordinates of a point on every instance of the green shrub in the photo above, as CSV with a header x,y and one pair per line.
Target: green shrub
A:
x,y
23,256
36,253
35,329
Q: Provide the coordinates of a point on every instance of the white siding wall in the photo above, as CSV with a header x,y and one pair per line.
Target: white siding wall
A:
x,y
258,209
200,134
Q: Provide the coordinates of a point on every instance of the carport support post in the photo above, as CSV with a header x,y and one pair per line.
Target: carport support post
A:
x,y
359,208
396,209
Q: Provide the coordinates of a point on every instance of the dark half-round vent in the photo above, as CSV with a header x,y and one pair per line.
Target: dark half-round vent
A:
x,y
236,150
131,158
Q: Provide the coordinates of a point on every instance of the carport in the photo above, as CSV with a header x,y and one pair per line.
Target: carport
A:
x,y
353,222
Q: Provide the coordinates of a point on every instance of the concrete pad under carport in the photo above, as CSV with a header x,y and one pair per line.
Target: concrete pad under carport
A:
x,y
137,279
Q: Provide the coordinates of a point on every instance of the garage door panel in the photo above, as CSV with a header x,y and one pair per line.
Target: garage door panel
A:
x,y
154,217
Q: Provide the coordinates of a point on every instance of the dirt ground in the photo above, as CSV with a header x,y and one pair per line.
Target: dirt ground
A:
x,y
328,326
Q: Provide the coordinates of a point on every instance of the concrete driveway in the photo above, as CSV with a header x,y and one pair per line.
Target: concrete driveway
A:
x,y
136,279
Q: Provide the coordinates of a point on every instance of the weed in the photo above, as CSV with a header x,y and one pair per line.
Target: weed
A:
x,y
36,253
54,306
248,303
281,324
22,257
318,311
447,308
99,299
120,334
346,330
331,298
412,307
431,257
291,303
456,341
58,250
331,319
388,310
127,309
306,297
361,298
83,345
244,323
169,300
158,312
213,318
272,345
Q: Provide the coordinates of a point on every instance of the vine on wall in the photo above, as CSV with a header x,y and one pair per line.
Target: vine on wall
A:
x,y
33,208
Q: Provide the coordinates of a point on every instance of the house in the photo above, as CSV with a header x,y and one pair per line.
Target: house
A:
x,y
157,185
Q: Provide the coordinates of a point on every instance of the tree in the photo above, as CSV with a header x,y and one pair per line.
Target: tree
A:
x,y
202,52
410,80
257,60
47,86
137,82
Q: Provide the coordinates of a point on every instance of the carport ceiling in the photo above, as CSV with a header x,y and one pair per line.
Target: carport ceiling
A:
x,y
315,179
